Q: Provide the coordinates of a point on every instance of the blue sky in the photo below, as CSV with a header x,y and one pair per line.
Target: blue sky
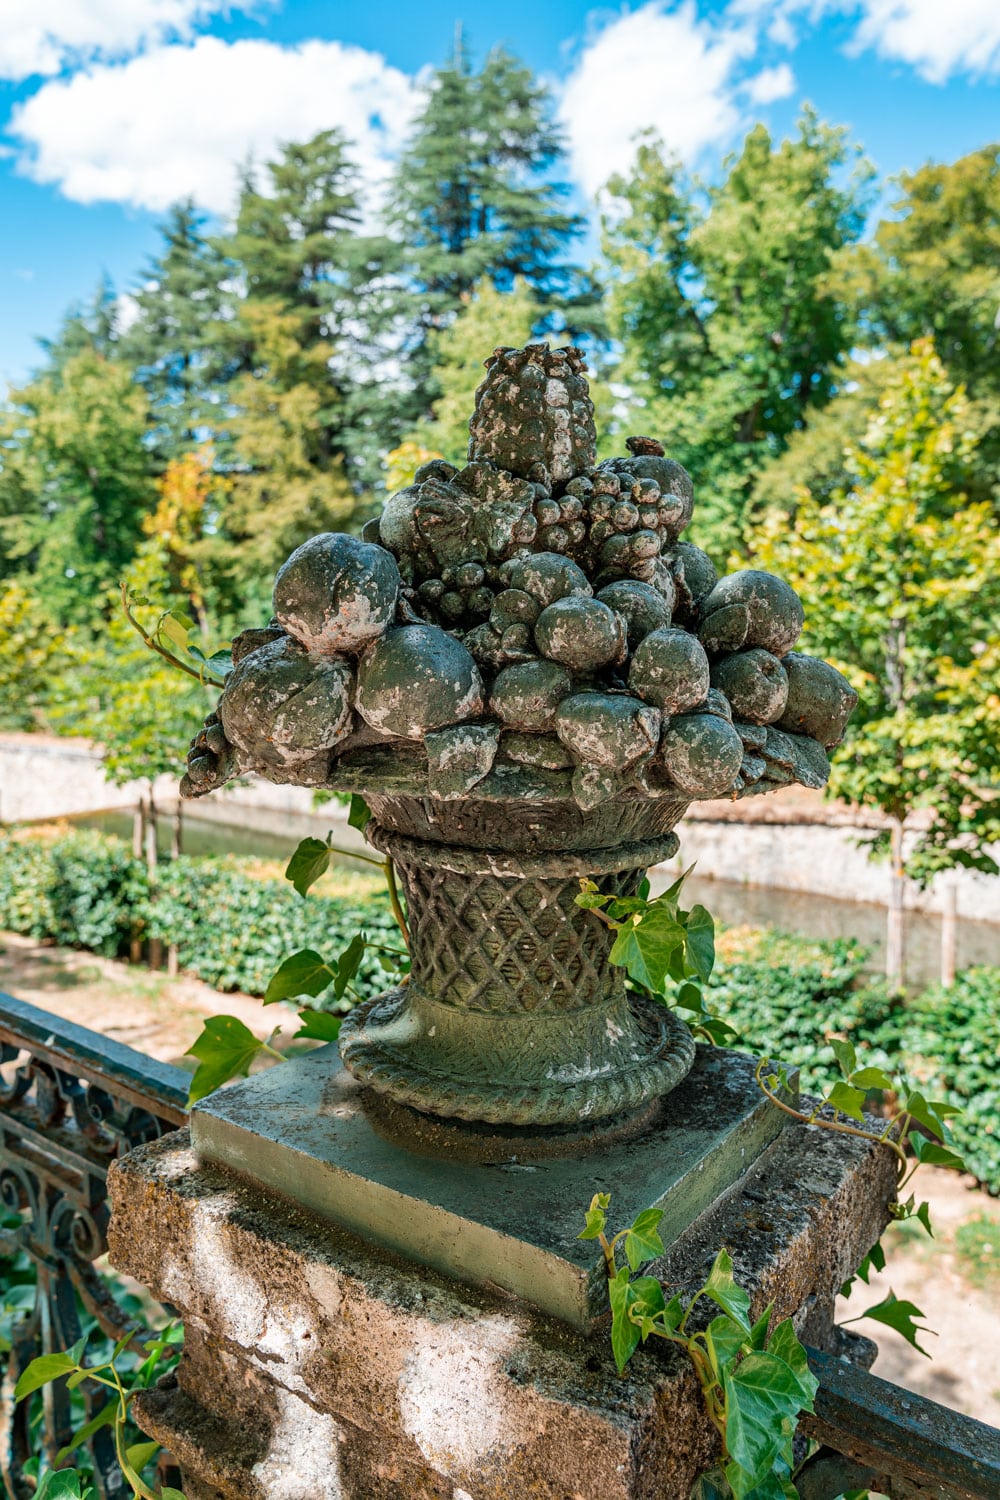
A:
x,y
111,109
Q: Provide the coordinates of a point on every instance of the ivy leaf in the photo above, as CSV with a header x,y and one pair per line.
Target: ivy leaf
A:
x,y
319,1025
758,1333
645,1304
784,1343
719,1032
872,1078
140,1454
304,973
41,1371
760,1392
166,1493
310,860
348,963
642,1242
923,1213
722,1289
62,1484
359,813
105,1418
848,1100
934,1155
900,1314
596,1217
625,1334
699,943
644,948
847,1058
724,1340
225,1050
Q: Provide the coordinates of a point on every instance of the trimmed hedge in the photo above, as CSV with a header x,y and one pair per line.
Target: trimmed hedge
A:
x,y
784,994
84,890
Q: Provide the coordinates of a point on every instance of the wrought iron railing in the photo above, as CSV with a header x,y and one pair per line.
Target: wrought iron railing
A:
x,y
71,1101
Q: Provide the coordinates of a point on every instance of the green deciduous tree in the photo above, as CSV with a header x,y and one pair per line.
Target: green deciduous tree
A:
x,y
76,480
908,574
723,301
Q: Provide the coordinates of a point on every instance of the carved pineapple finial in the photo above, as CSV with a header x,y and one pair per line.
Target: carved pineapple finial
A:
x,y
534,416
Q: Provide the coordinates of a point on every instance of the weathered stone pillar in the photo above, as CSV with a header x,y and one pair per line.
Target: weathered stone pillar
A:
x,y
318,1367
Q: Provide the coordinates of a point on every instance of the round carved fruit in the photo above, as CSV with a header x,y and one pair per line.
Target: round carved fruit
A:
x,y
756,684
670,669
642,607
702,754
417,678
582,634
336,593
546,576
751,608
607,729
526,695
820,699
281,705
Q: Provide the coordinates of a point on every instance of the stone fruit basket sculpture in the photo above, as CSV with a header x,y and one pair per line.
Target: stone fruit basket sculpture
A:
x,y
529,676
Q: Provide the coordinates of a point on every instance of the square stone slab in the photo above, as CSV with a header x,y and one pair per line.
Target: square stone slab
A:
x,y
301,1130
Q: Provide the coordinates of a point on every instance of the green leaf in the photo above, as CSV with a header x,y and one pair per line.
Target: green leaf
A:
x,y
359,815
873,1078
166,1493
596,1218
719,1032
712,1486
699,942
41,1370
174,631
310,860
318,1025
847,1058
105,1418
348,963
923,1213
900,1314
724,1292
934,1155
592,900
61,1484
625,1335
758,1333
760,1393
644,948
724,1340
225,1050
642,1242
925,1114
140,1454
848,1100
304,973
784,1343
645,1304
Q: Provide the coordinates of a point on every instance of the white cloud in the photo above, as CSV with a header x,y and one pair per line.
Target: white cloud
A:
x,y
179,120
661,68
771,84
962,37
41,36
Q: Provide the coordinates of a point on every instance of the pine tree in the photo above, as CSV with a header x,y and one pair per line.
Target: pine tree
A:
x,y
472,198
731,326
298,285
174,343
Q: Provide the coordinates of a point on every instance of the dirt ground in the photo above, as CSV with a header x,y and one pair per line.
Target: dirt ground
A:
x,y
954,1278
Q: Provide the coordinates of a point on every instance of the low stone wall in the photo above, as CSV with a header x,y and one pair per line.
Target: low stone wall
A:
x,y
792,841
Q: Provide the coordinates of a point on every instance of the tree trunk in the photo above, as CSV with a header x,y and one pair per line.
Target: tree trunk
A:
x,y
894,940
176,844
138,843
152,860
949,933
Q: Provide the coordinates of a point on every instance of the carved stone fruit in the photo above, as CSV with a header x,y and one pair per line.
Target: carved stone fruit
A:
x,y
417,678
582,634
607,729
756,684
281,705
336,593
702,754
527,694
670,669
546,576
751,608
642,607
820,699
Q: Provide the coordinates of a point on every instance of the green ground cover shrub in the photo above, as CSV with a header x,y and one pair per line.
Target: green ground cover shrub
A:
x,y
784,994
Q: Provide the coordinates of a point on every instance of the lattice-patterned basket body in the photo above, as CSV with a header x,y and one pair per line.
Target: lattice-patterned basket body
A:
x,y
513,1014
